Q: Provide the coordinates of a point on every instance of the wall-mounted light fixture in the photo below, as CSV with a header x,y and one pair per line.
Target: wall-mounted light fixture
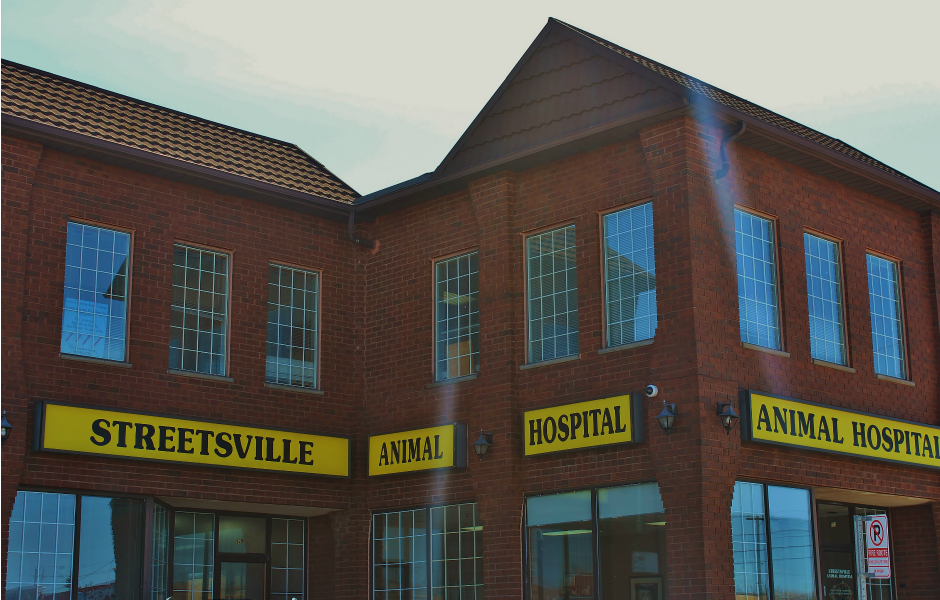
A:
x,y
667,418
727,415
5,428
482,445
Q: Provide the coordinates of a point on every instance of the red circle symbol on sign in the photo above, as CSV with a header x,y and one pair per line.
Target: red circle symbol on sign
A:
x,y
876,533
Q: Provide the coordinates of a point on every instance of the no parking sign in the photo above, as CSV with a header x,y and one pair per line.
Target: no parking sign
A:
x,y
876,541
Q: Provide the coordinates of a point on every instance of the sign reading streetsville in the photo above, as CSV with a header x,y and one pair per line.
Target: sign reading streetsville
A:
x,y
418,450
84,430
583,425
787,422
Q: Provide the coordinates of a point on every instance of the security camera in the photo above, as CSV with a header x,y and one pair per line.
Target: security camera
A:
x,y
651,391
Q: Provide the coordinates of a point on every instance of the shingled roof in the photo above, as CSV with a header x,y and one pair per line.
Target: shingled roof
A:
x,y
698,86
84,109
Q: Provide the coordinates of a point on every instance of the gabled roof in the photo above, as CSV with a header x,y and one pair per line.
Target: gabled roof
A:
x,y
572,90
40,97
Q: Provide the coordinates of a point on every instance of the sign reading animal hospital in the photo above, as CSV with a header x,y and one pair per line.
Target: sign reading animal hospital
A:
x,y
443,447
787,422
876,542
583,425
84,430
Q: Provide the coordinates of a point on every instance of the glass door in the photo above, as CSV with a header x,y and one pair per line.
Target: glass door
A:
x,y
243,558
836,551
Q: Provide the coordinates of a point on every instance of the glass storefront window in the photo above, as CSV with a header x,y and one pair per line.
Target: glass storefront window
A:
x,y
779,519
111,548
39,559
159,568
193,556
287,559
406,550
616,536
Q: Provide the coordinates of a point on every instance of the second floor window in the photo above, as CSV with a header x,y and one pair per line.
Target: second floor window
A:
x,y
824,294
551,268
757,280
293,305
630,275
94,311
887,329
457,318
199,313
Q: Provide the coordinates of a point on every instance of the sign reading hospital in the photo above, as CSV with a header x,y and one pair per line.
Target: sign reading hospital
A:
x,y
876,542
443,447
787,422
583,425
84,430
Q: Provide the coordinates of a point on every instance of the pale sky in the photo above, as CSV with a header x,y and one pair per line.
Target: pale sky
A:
x,y
380,91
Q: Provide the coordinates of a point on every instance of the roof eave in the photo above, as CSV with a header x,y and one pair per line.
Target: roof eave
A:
x,y
172,168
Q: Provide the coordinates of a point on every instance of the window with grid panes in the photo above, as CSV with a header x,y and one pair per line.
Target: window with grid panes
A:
x,y
757,280
193,556
293,305
887,330
458,317
552,294
94,310
199,312
630,273
432,553
824,295
287,559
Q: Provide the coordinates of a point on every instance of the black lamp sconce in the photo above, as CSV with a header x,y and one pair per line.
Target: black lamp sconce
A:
x,y
482,445
727,415
667,418
5,428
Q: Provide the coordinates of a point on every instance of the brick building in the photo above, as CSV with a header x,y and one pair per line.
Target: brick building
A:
x,y
229,375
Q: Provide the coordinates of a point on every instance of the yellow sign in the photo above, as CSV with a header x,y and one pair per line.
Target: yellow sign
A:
x,y
418,450
583,425
67,428
787,422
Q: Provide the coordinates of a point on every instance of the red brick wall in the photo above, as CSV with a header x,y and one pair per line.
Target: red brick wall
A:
x,y
914,544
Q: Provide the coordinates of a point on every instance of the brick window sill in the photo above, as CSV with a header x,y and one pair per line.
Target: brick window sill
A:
x,y
293,388
96,361
548,363
452,381
629,346
895,380
837,366
196,375
767,350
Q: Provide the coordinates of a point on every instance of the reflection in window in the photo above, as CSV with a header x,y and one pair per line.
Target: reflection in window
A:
x,y
293,301
193,556
560,531
287,559
630,273
39,559
631,538
757,280
400,555
111,547
161,551
458,316
781,517
552,294
887,331
199,313
94,310
824,294
456,552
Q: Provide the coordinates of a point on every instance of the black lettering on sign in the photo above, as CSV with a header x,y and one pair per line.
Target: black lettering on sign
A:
x,y
907,441
586,424
927,450
780,419
835,431
824,429
763,417
575,424
427,454
807,425
259,449
437,444
618,428
184,439
383,455
305,452
545,430
122,432
242,451
287,457
792,422
204,441
144,433
898,438
414,449
916,443
100,428
535,429
873,439
594,414
607,423
859,433
270,446
166,438
396,457
222,441
885,438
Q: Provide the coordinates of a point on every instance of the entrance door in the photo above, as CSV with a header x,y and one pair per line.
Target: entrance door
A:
x,y
243,543
836,551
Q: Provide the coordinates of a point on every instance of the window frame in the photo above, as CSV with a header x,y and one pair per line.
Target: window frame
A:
x,y
525,282
902,318
131,232
843,297
595,523
434,321
602,230
775,222
317,361
814,533
228,304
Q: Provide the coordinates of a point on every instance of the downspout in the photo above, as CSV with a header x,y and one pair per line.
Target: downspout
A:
x,y
725,164
372,245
